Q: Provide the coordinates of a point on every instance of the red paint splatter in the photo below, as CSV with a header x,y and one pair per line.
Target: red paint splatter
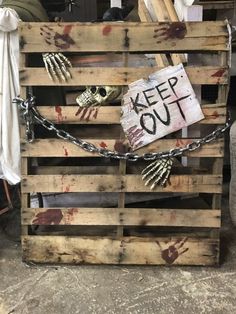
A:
x,y
215,115
59,114
84,112
95,114
134,135
106,30
89,115
79,111
219,73
65,152
49,217
67,29
103,145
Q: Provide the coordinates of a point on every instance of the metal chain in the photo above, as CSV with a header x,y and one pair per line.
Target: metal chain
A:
x,y
31,112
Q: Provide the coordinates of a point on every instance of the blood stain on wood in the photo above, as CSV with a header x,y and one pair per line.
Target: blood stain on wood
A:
x,y
177,30
103,145
172,253
59,114
65,152
67,29
95,113
50,217
219,73
170,31
84,112
215,115
89,115
106,30
78,111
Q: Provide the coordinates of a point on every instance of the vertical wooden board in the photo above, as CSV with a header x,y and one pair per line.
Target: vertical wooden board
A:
x,y
123,251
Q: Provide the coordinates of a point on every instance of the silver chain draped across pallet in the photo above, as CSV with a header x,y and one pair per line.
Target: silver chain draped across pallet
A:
x,y
156,173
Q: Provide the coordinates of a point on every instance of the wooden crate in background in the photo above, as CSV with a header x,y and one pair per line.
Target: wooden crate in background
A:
x,y
174,231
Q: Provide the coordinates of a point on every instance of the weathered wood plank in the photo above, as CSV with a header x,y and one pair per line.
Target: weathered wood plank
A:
x,y
119,183
123,76
122,217
61,148
214,114
138,251
90,37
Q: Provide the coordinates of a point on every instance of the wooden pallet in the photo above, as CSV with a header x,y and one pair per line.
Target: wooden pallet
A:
x,y
172,232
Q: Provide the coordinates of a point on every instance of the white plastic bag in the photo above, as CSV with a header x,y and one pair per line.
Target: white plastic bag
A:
x,y
9,89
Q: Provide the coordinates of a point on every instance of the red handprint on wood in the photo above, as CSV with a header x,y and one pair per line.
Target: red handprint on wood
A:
x,y
173,30
49,217
172,252
62,41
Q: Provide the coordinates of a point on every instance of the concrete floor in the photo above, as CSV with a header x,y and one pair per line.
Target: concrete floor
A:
x,y
109,289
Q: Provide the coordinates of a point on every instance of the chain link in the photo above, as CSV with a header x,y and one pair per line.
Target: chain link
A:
x,y
31,113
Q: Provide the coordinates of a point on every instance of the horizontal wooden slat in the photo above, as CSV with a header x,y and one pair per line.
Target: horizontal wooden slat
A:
x,y
61,148
90,37
119,183
119,76
138,251
122,217
214,114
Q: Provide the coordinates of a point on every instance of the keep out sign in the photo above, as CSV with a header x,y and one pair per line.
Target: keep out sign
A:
x,y
163,104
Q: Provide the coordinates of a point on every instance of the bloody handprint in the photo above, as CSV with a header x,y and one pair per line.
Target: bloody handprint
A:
x,y
173,30
171,254
49,217
62,41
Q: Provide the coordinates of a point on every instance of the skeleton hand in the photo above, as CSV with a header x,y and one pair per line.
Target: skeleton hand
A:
x,y
57,65
157,172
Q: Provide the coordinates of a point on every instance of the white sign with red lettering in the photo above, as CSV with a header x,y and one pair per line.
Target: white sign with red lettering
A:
x,y
163,104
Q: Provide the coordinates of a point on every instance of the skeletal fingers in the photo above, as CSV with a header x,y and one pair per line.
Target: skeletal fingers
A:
x,y
157,172
57,65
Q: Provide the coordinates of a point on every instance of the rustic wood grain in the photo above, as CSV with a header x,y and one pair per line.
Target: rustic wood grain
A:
x,y
61,148
122,217
119,183
91,37
209,75
214,114
131,250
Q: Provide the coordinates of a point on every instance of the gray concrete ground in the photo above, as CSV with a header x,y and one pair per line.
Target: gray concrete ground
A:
x,y
112,289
